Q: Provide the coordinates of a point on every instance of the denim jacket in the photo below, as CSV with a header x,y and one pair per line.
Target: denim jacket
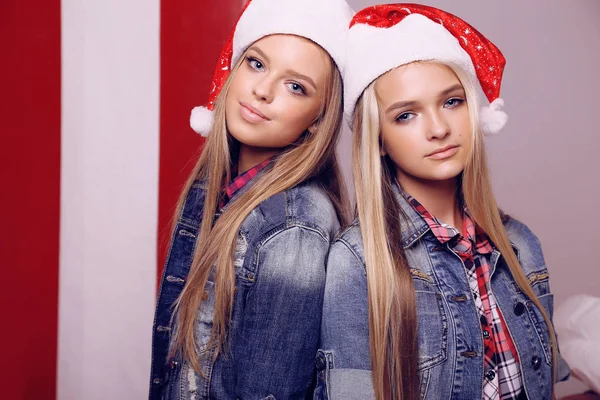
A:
x,y
280,277
450,339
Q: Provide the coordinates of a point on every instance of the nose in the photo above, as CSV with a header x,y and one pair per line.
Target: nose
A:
x,y
263,90
438,126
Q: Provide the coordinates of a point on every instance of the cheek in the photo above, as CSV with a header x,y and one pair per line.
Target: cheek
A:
x,y
297,112
235,88
232,94
463,123
397,144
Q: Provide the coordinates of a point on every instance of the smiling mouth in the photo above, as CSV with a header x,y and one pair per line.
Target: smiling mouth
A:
x,y
443,153
252,114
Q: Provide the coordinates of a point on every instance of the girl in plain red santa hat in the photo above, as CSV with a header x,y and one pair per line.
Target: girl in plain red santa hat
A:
x,y
432,292
239,308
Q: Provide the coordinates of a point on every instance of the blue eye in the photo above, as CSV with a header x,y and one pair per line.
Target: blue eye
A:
x,y
254,63
453,102
405,117
296,88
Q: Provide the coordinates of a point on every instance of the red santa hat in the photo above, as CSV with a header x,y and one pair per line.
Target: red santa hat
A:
x,y
384,37
323,22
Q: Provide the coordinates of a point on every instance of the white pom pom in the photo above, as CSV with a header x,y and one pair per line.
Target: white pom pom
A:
x,y
201,120
492,117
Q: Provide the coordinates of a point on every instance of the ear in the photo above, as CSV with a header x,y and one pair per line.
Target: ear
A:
x,y
313,127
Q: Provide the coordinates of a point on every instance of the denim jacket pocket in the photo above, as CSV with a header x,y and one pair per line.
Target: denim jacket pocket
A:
x,y
432,322
541,287
341,383
539,282
539,323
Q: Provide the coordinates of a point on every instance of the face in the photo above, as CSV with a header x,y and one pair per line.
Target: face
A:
x,y
425,127
276,93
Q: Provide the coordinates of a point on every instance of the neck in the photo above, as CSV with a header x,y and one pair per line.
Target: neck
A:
x,y
250,156
438,197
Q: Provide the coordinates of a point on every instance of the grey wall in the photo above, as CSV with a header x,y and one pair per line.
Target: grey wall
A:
x,y
545,162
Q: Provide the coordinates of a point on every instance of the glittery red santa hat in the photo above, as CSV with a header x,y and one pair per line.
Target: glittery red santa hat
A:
x,y
323,22
384,37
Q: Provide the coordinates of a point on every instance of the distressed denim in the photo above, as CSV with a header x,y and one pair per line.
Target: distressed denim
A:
x,y
450,339
280,278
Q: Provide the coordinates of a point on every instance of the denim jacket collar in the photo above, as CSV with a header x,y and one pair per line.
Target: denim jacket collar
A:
x,y
412,224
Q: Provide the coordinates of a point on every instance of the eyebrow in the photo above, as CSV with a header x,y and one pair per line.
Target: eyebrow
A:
x,y
291,72
451,89
303,77
401,104
259,51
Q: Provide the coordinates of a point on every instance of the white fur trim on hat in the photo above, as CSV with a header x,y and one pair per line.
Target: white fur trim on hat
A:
x,y
374,51
201,120
325,22
491,117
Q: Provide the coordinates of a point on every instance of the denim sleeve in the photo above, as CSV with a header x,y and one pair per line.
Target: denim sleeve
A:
x,y
282,317
344,347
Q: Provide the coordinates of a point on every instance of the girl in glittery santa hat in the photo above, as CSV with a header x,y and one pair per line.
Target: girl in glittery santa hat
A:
x,y
433,292
239,308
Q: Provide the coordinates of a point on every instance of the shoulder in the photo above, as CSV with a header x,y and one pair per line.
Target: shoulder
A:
x,y
518,230
310,203
304,206
526,243
348,246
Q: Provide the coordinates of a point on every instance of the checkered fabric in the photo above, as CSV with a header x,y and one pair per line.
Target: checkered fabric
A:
x,y
240,181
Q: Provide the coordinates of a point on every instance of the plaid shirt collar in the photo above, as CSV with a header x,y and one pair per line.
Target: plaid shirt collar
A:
x,y
444,232
240,181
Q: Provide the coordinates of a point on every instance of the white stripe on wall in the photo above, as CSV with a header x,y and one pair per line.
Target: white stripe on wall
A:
x,y
109,181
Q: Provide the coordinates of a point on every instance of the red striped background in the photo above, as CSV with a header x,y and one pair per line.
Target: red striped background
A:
x,y
29,197
192,33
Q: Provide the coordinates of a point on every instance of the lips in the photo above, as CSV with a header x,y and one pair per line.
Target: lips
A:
x,y
443,152
252,114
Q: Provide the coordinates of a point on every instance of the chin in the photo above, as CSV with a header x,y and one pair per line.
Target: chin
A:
x,y
446,175
252,139
441,173
242,132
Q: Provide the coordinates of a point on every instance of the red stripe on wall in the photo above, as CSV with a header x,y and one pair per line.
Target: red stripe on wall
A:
x,y
29,196
192,34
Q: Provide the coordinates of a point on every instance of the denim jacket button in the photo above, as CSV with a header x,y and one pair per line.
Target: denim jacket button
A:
x,y
490,375
536,363
320,363
157,381
173,364
519,309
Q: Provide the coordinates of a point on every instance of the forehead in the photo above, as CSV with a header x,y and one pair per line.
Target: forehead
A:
x,y
415,82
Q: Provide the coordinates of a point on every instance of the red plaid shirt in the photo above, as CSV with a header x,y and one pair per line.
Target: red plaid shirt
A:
x,y
502,375
239,182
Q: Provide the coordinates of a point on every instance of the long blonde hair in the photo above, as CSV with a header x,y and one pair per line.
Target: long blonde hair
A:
x,y
312,156
392,299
